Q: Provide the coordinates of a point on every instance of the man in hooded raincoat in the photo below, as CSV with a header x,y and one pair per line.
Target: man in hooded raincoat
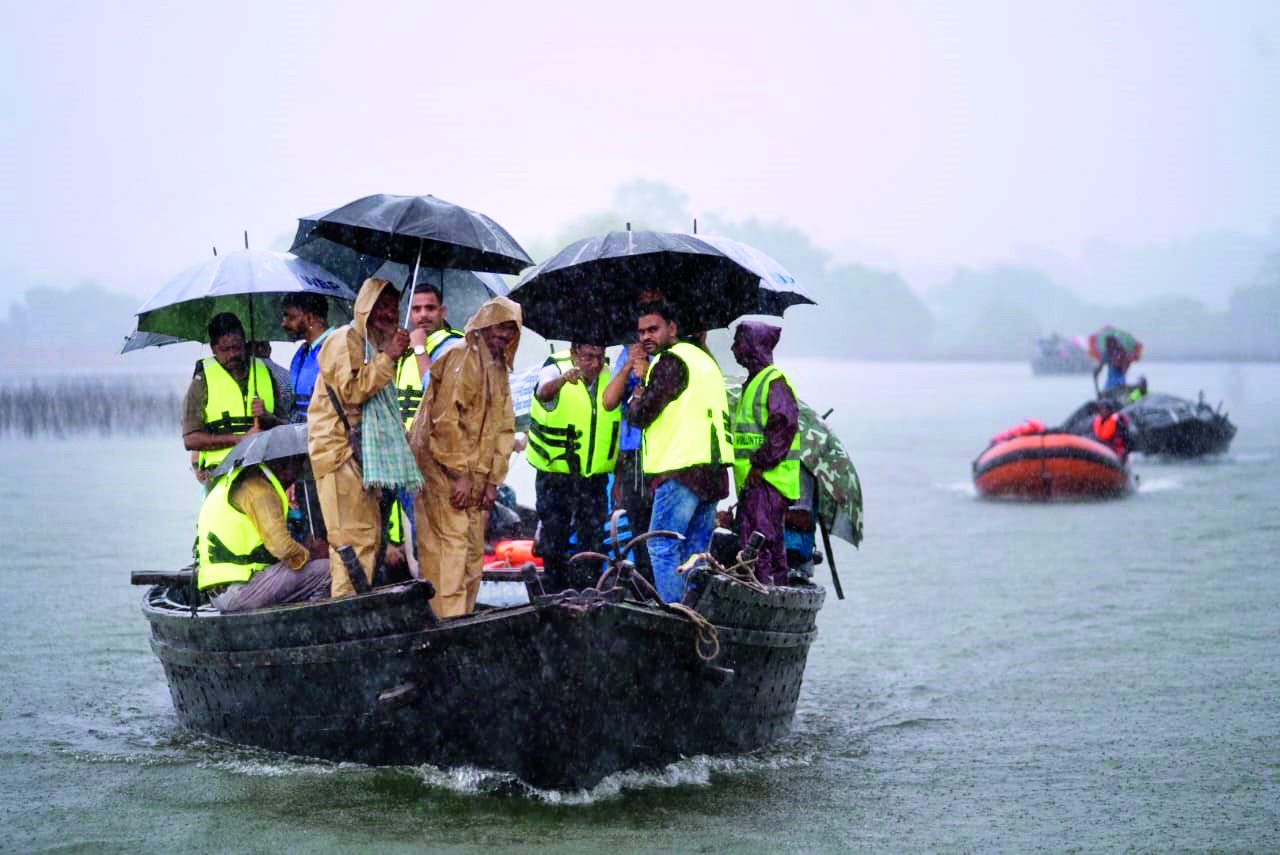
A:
x,y
351,512
766,448
463,436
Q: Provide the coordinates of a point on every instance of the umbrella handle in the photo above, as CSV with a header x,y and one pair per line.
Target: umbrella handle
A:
x,y
831,560
413,280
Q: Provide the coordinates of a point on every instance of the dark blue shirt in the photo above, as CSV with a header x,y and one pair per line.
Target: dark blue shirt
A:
x,y
303,371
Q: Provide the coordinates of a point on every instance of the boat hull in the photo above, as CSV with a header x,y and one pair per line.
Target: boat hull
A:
x,y
560,693
1050,466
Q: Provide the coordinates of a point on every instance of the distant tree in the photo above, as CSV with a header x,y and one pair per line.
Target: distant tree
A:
x,y
86,314
1253,315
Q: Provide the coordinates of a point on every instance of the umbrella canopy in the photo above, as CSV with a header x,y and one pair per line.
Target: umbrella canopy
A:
x,y
138,340
282,441
588,291
251,283
1131,347
463,290
823,456
417,230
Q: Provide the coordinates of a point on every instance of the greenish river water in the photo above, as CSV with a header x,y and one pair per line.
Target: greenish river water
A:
x,y
1001,676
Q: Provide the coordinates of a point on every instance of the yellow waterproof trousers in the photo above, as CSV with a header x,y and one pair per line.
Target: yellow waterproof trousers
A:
x,y
450,545
351,517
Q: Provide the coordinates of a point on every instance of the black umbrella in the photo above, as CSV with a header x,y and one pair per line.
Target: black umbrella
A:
x,y
588,291
416,230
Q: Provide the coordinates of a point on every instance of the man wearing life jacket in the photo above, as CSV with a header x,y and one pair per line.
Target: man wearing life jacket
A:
x,y
684,413
430,337
306,319
766,448
573,444
246,558
231,394
1111,428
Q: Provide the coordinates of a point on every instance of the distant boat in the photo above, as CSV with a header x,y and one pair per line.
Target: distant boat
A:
x,y
1166,425
1042,465
1056,354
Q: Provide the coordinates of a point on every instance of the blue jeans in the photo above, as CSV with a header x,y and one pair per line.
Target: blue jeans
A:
x,y
677,508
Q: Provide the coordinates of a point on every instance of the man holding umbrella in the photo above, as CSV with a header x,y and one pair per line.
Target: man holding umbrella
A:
x,y
354,435
684,412
231,394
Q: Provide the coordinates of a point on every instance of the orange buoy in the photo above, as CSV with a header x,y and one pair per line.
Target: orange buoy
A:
x,y
1050,466
511,553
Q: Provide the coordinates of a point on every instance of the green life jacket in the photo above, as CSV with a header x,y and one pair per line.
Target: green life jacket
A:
x,y
748,434
579,436
694,428
228,546
227,409
409,381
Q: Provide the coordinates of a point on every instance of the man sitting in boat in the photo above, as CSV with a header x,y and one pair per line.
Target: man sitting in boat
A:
x,y
246,558
573,445
683,410
1111,428
231,394
766,445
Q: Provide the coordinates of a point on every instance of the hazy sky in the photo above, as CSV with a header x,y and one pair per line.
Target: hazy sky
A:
x,y
908,134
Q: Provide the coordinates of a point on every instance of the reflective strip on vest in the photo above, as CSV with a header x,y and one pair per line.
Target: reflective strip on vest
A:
x,y
579,436
226,408
748,434
408,388
228,546
693,429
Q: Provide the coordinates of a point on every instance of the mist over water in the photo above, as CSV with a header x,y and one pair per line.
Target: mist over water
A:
x,y
1001,675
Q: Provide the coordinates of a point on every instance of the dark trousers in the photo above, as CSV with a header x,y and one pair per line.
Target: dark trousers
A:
x,y
569,504
639,505
764,509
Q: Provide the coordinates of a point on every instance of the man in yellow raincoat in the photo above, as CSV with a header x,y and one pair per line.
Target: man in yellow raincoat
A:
x,y
462,437
347,372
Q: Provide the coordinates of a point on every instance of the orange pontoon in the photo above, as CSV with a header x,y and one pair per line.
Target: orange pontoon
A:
x,y
1049,466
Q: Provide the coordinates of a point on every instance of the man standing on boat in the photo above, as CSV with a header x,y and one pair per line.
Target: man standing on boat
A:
x,y
430,337
766,446
305,319
684,412
573,443
231,394
354,434
463,436
247,560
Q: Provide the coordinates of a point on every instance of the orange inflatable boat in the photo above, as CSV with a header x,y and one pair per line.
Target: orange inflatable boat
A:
x,y
1049,465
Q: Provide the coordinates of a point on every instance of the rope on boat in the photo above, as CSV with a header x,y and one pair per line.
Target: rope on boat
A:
x,y
707,641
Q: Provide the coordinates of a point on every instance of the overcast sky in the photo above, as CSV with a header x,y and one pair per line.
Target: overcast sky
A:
x,y
914,135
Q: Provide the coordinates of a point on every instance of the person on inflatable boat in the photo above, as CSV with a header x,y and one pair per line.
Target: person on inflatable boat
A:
x,y
1111,428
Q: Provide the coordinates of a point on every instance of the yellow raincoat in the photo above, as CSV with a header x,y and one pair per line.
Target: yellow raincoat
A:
x,y
464,426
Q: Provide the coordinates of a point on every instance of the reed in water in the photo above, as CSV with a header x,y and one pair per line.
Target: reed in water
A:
x,y
67,406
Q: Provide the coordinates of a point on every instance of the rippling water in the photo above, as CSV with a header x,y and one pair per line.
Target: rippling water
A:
x,y
1099,675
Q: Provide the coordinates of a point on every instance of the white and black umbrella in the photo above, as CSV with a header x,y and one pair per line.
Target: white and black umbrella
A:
x,y
264,446
588,291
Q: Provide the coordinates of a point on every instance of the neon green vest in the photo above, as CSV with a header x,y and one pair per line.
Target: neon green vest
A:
x,y
694,428
228,546
579,436
748,435
408,381
227,410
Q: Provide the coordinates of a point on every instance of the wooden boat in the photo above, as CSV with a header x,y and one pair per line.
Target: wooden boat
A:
x,y
561,692
1049,465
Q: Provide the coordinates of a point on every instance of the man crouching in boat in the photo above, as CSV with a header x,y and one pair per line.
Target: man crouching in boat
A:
x,y
462,436
354,434
247,560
